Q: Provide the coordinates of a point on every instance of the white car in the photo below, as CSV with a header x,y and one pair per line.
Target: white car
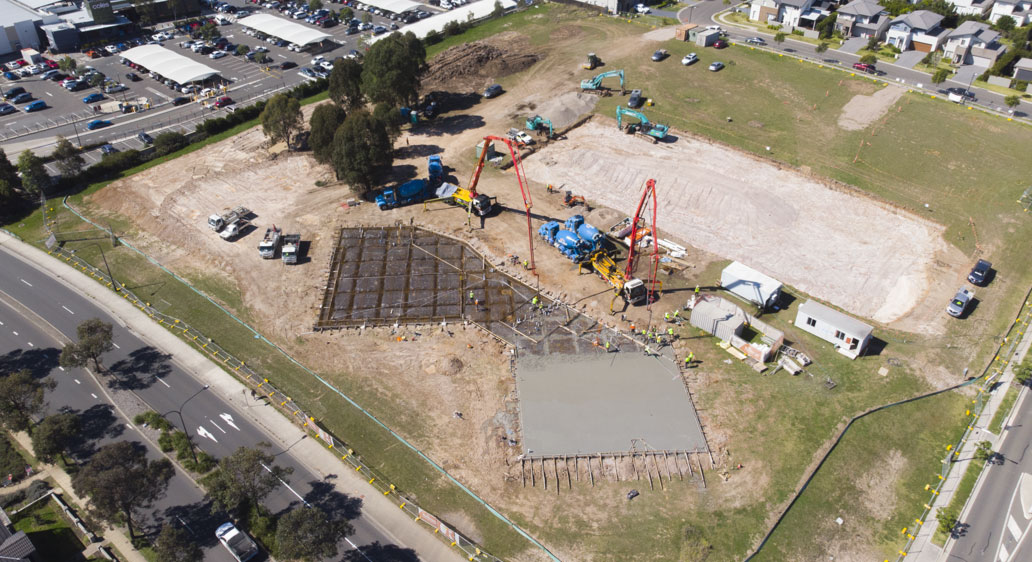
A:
x,y
113,49
446,4
524,138
690,58
217,54
326,64
641,8
158,37
115,88
261,49
294,47
318,60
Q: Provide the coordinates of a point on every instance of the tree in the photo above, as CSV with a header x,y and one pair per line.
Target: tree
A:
x,y
96,79
8,172
119,481
821,48
498,10
261,58
34,176
1005,23
94,340
940,76
326,119
984,451
366,17
21,398
346,84
391,119
55,435
346,14
281,119
826,26
390,73
947,520
67,65
872,44
361,150
241,481
210,32
174,544
167,143
1012,101
314,5
1023,374
242,50
869,59
308,535
69,161
779,38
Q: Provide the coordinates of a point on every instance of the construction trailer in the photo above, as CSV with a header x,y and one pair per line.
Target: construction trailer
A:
x,y
750,285
727,321
849,335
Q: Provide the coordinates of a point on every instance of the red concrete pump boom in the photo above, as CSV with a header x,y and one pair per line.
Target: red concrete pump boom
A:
x,y
517,165
649,193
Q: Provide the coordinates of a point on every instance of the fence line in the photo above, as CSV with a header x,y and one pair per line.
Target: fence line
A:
x,y
259,383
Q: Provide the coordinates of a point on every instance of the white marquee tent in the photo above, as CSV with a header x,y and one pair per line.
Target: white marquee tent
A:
x,y
170,64
284,29
480,9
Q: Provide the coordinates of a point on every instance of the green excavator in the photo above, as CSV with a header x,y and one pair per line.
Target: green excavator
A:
x,y
539,124
654,131
594,85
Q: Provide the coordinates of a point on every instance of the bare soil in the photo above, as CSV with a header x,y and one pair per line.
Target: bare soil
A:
x,y
471,67
862,111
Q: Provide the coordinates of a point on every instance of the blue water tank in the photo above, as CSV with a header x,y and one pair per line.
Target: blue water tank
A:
x,y
574,222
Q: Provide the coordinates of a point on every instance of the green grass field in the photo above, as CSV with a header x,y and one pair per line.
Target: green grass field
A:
x,y
996,425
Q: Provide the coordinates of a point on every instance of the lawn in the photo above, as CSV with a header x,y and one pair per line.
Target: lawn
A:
x,y
775,425
961,495
996,425
49,532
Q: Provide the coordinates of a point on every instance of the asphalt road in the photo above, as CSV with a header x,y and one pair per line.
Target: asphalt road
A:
x,y
995,527
156,378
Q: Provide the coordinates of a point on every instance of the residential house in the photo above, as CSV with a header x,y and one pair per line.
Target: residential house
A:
x,y
849,335
1023,70
862,18
1020,10
973,43
14,546
971,7
790,14
920,30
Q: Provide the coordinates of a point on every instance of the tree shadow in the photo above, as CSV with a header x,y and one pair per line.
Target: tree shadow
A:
x,y
453,101
38,361
196,518
376,552
450,125
399,173
336,505
140,369
96,423
417,151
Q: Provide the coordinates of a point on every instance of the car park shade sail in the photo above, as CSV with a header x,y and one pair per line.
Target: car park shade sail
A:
x,y
284,29
170,64
394,6
480,9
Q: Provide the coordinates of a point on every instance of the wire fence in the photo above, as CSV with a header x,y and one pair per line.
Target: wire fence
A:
x,y
259,384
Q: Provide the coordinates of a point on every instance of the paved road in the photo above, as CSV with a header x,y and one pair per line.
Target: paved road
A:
x,y
703,13
216,426
995,524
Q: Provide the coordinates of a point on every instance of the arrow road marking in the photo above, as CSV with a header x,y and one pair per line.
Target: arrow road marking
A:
x,y
205,433
229,419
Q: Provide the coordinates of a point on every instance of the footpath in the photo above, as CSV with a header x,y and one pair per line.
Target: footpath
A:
x,y
378,510
923,550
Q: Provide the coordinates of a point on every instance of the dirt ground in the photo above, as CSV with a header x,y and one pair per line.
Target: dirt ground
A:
x,y
773,219
862,111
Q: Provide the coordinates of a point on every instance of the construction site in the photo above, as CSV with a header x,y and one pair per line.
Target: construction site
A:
x,y
546,311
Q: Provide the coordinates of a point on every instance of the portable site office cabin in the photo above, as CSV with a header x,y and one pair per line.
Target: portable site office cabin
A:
x,y
750,285
849,335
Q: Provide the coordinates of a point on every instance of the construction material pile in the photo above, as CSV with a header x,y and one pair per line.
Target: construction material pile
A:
x,y
472,66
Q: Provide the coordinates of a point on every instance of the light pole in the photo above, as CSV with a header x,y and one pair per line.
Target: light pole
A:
x,y
183,422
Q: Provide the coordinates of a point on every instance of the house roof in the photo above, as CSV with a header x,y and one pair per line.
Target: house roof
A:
x,y
796,3
847,324
862,8
920,19
969,27
17,547
1024,64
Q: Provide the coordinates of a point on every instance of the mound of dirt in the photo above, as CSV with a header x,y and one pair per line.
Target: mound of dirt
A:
x,y
562,110
472,66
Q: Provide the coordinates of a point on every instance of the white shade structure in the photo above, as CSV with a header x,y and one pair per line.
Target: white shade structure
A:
x,y
284,29
170,64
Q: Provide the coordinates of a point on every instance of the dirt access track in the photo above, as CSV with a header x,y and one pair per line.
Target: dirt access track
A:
x,y
849,250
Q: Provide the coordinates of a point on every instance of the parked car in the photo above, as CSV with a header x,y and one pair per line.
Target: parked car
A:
x,y
756,41
960,302
285,65
59,76
145,138
493,90
112,88
6,108
11,75
108,149
37,105
379,29
635,100
716,66
15,91
223,102
97,124
690,58
49,75
980,273
133,77
660,55
77,85
22,98
180,100
864,67
641,8
720,44
93,98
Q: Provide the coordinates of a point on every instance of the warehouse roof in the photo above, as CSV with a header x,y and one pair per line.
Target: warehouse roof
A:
x,y
169,64
284,29
12,13
480,9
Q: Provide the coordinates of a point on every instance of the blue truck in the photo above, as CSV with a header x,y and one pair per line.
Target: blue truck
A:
x,y
410,192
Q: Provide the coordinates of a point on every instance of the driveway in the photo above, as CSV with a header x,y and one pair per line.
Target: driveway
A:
x,y
910,58
967,74
853,45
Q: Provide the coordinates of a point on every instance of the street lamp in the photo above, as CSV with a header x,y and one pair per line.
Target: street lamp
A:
x,y
183,422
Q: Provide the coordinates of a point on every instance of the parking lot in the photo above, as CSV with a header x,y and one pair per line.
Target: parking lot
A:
x,y
67,114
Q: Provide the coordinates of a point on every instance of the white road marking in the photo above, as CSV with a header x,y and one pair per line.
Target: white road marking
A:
x,y
116,345
1013,527
24,281
162,381
49,94
1,323
229,419
30,344
15,333
287,486
217,426
62,368
205,433
1004,555
68,309
77,381
93,395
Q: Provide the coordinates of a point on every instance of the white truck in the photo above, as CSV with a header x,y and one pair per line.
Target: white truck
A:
x,y
227,217
270,242
234,229
241,546
291,245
